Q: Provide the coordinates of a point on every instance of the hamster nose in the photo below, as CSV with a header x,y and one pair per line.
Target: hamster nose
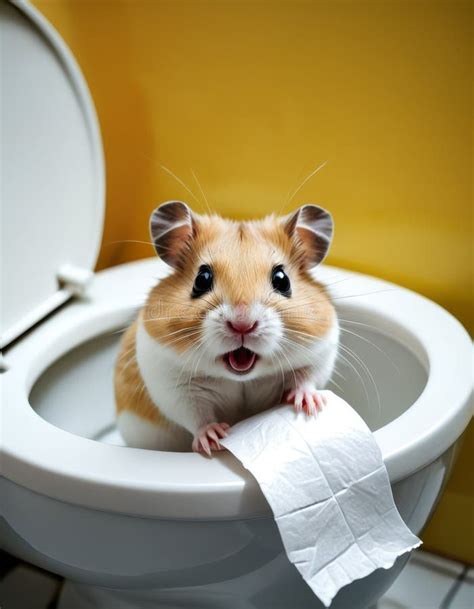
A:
x,y
242,327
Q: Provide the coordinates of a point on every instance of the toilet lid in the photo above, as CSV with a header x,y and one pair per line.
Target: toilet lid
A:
x,y
52,170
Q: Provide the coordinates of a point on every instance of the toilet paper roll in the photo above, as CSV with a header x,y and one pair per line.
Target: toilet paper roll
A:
x,y
329,490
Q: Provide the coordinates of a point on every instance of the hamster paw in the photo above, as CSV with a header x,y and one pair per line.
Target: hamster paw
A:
x,y
305,398
207,437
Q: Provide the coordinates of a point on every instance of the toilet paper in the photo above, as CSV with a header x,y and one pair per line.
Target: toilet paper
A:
x,y
329,490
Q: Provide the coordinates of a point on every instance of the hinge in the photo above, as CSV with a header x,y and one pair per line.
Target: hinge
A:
x,y
74,279
73,282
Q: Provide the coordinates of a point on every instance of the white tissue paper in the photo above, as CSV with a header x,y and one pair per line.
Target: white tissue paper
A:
x,y
329,490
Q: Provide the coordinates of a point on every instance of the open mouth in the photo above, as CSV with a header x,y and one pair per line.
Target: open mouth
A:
x,y
240,360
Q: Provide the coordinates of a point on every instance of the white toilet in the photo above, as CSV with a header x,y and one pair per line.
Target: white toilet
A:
x,y
132,528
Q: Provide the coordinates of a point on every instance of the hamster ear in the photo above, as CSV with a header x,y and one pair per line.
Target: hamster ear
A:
x,y
312,227
172,227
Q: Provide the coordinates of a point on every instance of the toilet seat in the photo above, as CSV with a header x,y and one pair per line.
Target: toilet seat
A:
x,y
53,172
186,485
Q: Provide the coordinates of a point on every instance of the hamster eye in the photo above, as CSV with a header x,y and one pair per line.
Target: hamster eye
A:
x,y
203,281
281,281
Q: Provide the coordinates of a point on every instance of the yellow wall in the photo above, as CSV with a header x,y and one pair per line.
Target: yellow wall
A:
x,y
252,96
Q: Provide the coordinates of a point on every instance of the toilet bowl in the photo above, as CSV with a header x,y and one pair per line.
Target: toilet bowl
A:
x,y
177,528
136,528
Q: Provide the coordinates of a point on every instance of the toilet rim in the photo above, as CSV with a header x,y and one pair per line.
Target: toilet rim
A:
x,y
189,486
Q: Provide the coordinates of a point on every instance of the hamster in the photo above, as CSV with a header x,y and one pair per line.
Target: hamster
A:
x,y
238,326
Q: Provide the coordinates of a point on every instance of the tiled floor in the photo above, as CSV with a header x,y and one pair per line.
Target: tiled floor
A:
x,y
428,582
431,582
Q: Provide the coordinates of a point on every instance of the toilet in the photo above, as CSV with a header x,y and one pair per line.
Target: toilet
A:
x,y
132,528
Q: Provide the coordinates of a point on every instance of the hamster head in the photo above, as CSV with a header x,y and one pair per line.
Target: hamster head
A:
x,y
240,302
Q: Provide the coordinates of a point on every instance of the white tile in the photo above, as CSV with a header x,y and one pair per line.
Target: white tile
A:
x,y
464,597
25,587
423,583
470,576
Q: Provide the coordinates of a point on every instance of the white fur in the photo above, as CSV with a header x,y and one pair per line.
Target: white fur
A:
x,y
220,339
140,433
195,389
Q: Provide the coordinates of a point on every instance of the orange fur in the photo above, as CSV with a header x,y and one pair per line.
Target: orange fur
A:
x,y
130,391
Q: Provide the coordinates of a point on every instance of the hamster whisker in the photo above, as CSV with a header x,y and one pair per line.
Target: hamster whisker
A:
x,y
349,363
125,355
373,345
329,283
359,323
292,370
178,339
336,385
281,367
189,333
313,301
301,308
163,307
120,331
315,319
306,179
300,304
299,346
188,305
129,241
126,352
202,192
358,359
132,358
141,391
327,280
331,380
303,304
209,340
367,370
180,331
306,335
302,314
363,294
191,352
312,357
171,317
194,372
311,337
336,371
128,362
194,366
138,389
163,303
180,181
349,351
